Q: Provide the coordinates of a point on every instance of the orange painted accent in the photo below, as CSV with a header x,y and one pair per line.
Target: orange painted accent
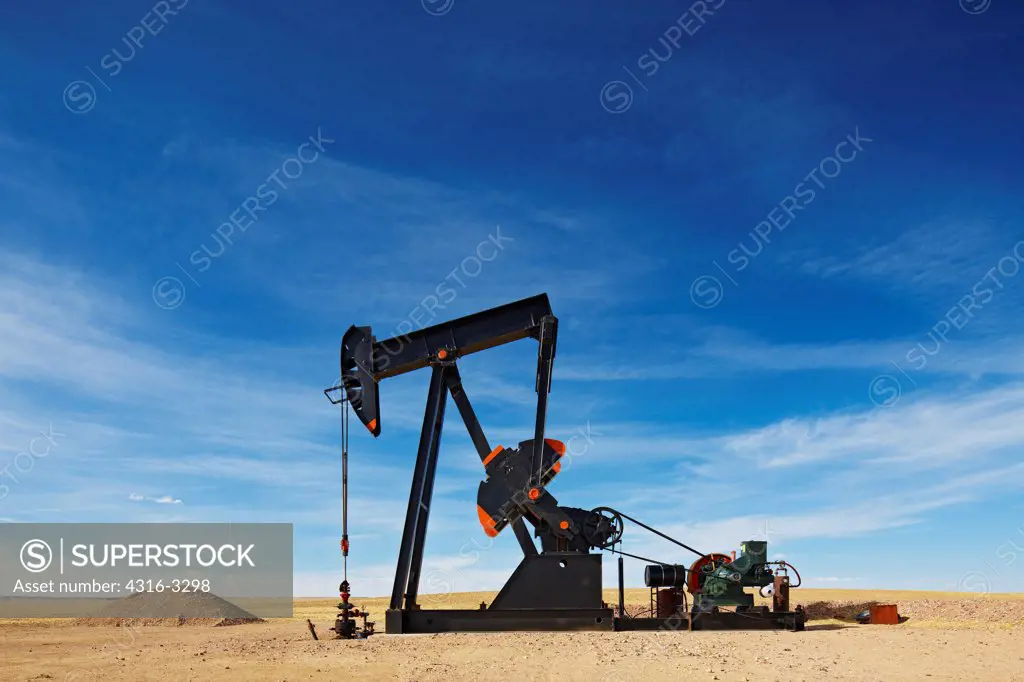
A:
x,y
486,521
564,525
372,425
557,467
494,453
442,354
556,445
533,494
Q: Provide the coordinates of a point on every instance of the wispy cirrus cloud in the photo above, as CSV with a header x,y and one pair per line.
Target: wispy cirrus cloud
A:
x,y
720,352
933,258
163,499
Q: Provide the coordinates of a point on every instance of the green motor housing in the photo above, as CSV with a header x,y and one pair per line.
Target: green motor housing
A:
x,y
724,584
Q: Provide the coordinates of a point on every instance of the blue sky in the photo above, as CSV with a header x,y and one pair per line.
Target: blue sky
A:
x,y
782,239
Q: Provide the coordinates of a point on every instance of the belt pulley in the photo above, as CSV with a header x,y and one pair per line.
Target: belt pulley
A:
x,y
615,519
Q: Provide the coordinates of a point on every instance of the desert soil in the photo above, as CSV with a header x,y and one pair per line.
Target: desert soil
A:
x,y
946,637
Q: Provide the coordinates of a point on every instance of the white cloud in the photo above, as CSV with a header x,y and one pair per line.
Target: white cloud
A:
x,y
719,353
946,253
163,499
930,431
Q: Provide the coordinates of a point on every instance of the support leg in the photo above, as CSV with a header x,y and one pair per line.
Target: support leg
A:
x,y
410,555
412,591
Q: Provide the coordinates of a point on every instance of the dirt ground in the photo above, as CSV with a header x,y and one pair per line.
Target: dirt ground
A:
x,y
946,637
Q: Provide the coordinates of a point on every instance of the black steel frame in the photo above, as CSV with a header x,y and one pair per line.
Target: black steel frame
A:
x,y
524,603
541,595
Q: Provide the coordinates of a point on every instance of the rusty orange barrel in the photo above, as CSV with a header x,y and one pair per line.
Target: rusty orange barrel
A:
x,y
670,602
884,614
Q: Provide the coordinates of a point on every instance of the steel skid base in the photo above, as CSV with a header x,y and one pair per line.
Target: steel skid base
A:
x,y
559,620
750,619
498,620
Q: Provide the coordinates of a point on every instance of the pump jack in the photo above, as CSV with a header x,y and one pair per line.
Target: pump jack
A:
x,y
557,587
